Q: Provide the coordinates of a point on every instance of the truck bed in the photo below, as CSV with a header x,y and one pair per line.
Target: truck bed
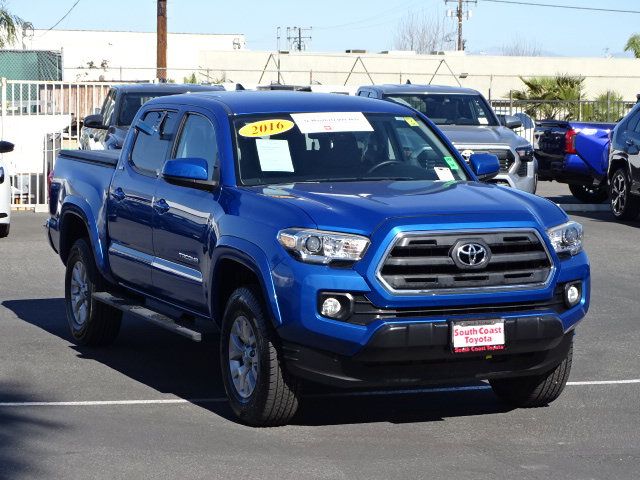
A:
x,y
106,158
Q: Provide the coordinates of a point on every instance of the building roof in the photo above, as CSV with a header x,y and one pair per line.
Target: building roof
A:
x,y
176,88
248,102
411,88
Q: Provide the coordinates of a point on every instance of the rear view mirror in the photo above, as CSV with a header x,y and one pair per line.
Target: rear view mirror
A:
x,y
189,172
93,121
484,165
512,122
6,147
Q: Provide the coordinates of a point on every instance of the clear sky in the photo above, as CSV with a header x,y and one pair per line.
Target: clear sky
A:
x,y
367,24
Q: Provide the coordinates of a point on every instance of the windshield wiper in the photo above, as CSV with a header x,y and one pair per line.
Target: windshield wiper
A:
x,y
354,179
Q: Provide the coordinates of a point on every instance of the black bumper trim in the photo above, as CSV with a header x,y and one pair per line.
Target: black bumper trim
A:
x,y
420,353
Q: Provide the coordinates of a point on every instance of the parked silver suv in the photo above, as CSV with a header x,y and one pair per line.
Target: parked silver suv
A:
x,y
467,119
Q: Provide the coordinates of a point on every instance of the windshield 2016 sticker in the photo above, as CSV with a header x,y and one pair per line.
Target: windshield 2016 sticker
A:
x,y
332,122
264,128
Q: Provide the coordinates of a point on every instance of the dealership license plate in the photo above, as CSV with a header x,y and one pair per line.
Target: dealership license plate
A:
x,y
477,336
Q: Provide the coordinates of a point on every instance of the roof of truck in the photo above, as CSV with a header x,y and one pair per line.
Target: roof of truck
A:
x,y
248,102
399,88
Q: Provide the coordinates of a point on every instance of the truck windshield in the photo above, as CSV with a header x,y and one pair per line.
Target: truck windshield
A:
x,y
450,109
340,146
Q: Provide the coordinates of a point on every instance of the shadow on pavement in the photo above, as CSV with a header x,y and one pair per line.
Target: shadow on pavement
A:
x,y
20,428
177,366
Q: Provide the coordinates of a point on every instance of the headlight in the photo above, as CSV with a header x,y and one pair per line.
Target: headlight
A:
x,y
525,153
317,246
566,238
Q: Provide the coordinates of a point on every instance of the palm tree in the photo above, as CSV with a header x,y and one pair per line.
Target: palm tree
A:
x,y
549,97
633,45
10,25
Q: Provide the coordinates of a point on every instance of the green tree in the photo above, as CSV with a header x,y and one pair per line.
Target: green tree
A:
x,y
10,25
608,106
190,78
551,97
633,45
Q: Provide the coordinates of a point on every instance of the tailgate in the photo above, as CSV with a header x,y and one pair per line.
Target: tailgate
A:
x,y
549,139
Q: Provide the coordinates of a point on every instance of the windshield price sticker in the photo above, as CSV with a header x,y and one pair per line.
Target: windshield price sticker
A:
x,y
477,336
453,165
264,128
332,122
444,174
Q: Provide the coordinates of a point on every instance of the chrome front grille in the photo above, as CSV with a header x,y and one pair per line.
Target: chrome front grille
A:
x,y
423,262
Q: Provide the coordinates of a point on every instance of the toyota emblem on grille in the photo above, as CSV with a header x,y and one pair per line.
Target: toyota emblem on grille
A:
x,y
471,255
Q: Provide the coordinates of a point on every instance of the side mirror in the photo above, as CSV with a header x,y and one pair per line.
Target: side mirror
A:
x,y
189,172
6,147
93,121
484,165
512,122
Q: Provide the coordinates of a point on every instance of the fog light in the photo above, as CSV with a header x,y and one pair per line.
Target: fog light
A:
x,y
331,307
572,294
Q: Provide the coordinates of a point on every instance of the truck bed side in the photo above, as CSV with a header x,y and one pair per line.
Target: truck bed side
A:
x,y
78,195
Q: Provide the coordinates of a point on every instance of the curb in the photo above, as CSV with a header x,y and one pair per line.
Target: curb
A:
x,y
584,207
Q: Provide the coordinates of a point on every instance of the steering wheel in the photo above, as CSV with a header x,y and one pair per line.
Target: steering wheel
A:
x,y
415,156
383,164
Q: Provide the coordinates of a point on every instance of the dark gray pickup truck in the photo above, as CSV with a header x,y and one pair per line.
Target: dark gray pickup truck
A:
x,y
106,130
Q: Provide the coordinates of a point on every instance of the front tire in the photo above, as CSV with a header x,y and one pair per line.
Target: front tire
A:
x,y
260,391
589,194
535,391
92,323
624,205
4,230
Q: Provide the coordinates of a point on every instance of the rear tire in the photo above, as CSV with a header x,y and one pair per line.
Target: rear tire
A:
x,y
260,391
92,323
536,391
624,205
589,194
4,230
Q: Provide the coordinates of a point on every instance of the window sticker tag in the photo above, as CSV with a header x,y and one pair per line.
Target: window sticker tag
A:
x,y
411,121
274,155
453,165
444,174
332,122
483,121
265,128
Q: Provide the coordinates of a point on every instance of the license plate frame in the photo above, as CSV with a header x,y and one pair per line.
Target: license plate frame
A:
x,y
485,336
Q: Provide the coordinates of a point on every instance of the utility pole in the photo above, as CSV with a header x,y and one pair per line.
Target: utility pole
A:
x,y
161,42
296,38
461,12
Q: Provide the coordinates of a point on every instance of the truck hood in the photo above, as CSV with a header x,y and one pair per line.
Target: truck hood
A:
x,y
474,135
361,207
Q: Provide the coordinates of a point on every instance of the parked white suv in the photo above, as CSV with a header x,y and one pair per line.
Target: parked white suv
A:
x,y
5,191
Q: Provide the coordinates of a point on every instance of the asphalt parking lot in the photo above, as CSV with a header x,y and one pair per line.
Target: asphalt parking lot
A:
x,y
152,405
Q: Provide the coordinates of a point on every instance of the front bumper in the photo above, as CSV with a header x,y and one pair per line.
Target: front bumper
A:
x,y
420,353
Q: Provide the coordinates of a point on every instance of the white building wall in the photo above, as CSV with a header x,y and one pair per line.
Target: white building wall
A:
x,y
128,55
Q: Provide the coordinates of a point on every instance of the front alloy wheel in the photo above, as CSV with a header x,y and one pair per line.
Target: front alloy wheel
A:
x,y
243,358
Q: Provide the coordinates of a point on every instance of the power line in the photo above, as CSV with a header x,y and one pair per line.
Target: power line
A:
x,y
369,19
63,17
568,7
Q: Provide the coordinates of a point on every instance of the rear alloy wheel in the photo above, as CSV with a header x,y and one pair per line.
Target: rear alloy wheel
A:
x,y
92,323
624,205
588,193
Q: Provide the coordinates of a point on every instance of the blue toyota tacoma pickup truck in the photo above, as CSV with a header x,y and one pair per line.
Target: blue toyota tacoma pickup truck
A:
x,y
332,239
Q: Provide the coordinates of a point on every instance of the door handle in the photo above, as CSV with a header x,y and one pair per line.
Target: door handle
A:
x,y
161,206
118,194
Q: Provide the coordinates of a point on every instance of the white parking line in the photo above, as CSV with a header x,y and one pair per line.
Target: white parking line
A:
x,y
174,401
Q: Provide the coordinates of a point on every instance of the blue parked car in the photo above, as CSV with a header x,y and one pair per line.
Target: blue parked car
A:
x,y
332,239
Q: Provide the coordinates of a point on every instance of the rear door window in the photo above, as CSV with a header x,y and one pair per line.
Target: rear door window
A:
x,y
151,149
